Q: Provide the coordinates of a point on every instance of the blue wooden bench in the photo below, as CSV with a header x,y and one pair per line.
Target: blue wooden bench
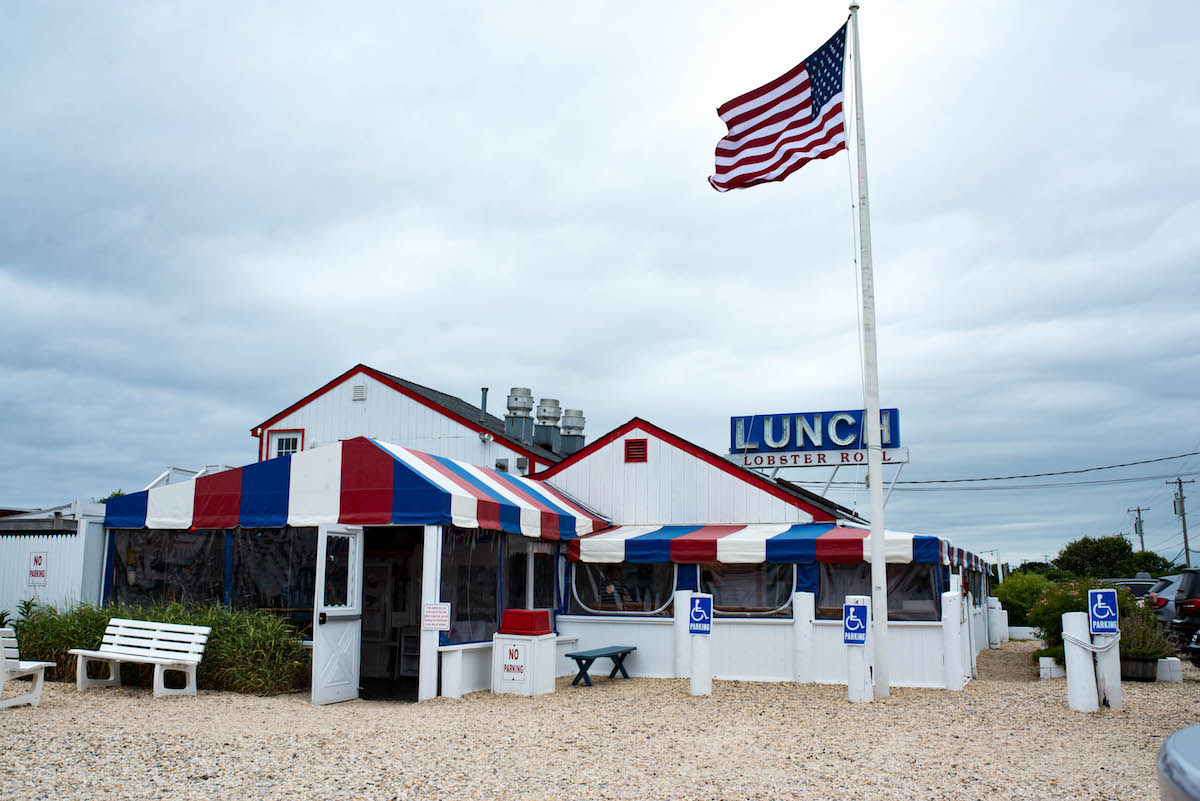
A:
x,y
584,660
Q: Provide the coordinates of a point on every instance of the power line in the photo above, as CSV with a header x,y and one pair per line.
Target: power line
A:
x,y
1009,488
1057,473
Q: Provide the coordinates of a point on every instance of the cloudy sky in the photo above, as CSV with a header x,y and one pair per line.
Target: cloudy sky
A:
x,y
207,211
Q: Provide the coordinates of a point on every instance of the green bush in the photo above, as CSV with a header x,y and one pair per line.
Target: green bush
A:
x,y
1142,636
1046,613
1018,593
247,652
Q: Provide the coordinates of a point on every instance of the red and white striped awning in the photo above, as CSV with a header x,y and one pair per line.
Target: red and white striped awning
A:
x,y
800,543
359,482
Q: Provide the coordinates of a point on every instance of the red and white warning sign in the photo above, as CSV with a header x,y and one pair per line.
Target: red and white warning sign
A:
x,y
435,617
512,662
37,569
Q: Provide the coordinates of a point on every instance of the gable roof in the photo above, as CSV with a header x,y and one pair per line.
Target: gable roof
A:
x,y
784,490
456,409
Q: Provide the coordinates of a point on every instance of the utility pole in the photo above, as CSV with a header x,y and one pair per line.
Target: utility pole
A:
x,y
1179,510
1137,526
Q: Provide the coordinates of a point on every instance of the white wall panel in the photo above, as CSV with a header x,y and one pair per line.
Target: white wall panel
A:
x,y
654,640
752,650
393,417
671,486
73,562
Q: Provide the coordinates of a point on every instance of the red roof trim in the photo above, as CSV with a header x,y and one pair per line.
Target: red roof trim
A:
x,y
406,392
819,515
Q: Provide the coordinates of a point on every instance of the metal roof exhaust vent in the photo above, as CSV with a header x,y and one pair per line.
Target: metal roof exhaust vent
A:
x,y
573,422
520,401
359,392
518,425
483,405
547,433
549,412
572,431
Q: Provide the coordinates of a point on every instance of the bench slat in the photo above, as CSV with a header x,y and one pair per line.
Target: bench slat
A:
x,y
149,648
600,653
149,659
170,641
177,628
164,635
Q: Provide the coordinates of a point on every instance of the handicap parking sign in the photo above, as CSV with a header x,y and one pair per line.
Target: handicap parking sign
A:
x,y
700,615
854,624
1102,611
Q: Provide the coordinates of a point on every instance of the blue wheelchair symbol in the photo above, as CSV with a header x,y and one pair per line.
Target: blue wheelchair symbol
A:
x,y
700,615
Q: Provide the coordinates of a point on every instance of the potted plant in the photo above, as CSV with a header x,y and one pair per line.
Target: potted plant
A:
x,y
1142,644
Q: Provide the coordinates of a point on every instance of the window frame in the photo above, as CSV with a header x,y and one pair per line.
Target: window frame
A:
x,y
656,613
772,613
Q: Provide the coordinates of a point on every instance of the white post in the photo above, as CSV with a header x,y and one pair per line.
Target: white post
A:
x,y
993,621
529,575
804,612
452,666
1005,634
431,591
1081,667
683,640
952,665
871,419
1108,672
858,659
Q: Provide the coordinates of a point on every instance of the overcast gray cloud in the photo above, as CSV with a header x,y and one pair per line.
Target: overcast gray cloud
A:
x,y
208,211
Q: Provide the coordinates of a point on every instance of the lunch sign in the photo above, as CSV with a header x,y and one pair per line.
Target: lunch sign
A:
x,y
810,439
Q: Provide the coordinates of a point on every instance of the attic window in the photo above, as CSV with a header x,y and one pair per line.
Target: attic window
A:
x,y
635,450
360,392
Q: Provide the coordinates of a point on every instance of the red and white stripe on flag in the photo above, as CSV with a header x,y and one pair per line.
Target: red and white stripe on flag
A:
x,y
777,128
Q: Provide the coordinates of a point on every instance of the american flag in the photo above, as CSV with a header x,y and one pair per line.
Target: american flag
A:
x,y
777,128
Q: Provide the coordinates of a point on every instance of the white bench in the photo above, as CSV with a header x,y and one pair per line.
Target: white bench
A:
x,y
11,667
167,646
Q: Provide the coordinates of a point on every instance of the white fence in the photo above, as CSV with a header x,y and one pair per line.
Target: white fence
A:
x,y
52,566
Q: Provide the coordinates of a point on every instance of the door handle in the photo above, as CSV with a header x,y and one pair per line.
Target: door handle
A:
x,y
322,618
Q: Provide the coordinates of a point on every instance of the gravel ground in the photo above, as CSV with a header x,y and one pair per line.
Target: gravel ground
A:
x,y
1007,735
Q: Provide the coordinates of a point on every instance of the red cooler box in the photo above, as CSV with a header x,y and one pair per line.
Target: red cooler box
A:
x,y
529,622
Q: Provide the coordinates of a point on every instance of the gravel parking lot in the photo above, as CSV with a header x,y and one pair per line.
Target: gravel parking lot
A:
x,y
1007,735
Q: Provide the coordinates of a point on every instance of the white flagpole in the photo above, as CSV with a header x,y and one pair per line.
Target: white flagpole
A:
x,y
871,419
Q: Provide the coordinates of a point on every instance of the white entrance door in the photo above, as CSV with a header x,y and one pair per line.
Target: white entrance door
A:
x,y
337,629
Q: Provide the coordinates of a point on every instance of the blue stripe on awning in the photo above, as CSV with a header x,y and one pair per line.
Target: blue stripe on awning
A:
x,y
927,550
126,511
265,492
566,518
655,547
416,500
797,544
510,513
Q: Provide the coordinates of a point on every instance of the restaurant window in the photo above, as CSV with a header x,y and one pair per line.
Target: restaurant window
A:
x,y
516,554
761,590
274,570
975,585
622,588
912,590
154,566
471,583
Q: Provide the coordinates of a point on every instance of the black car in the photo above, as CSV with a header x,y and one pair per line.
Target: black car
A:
x,y
1187,605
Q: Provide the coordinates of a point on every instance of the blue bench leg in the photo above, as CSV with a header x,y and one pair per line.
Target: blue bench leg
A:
x,y
584,665
618,665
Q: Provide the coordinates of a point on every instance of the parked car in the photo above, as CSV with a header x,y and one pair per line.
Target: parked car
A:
x,y
1179,766
1161,598
1139,585
1193,650
1187,605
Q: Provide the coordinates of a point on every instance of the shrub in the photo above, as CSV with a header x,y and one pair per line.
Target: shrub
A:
x,y
1046,613
247,652
1017,594
1141,635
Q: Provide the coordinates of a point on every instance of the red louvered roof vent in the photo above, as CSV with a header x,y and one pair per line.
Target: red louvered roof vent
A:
x,y
635,450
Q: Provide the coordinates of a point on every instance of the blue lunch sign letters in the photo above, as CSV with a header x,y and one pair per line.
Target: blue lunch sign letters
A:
x,y
1102,611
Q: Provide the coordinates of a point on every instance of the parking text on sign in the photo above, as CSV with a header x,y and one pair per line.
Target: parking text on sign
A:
x,y
37,569
512,665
